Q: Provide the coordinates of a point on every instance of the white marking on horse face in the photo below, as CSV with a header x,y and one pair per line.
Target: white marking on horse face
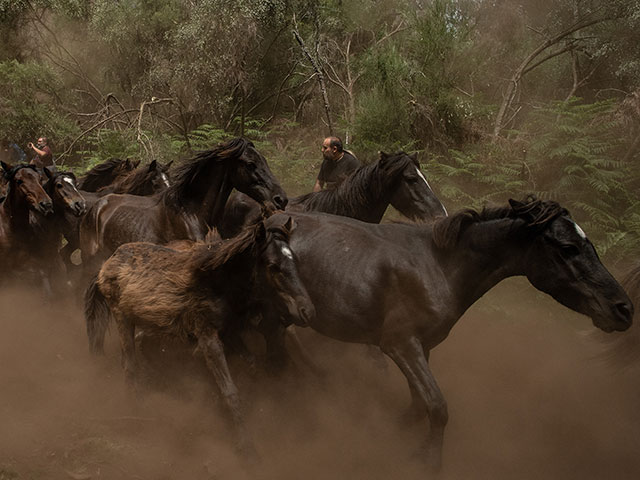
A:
x,y
423,178
286,251
70,182
165,179
579,230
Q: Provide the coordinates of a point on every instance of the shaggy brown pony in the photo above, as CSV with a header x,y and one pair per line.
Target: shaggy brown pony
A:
x,y
206,292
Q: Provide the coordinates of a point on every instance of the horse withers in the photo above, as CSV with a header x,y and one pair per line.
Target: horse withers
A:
x,y
403,287
206,292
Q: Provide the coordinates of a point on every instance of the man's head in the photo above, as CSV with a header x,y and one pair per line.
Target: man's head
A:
x,y
42,141
332,148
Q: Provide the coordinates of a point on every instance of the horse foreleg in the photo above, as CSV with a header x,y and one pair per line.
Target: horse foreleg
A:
x,y
213,350
410,357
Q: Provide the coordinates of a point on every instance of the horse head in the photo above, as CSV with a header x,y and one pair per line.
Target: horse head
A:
x,y
562,262
24,184
158,175
412,196
277,271
250,173
61,187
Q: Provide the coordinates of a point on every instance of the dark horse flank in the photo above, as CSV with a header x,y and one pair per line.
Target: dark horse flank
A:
x,y
187,209
106,173
144,180
204,291
403,287
365,195
19,250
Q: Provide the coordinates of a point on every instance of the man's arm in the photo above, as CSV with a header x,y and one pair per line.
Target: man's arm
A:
x,y
36,149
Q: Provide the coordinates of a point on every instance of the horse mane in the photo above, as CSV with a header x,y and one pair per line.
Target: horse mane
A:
x,y
186,173
93,178
132,183
537,214
8,175
210,257
368,181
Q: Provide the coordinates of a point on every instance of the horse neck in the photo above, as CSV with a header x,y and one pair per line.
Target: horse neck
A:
x,y
208,195
17,210
486,253
362,196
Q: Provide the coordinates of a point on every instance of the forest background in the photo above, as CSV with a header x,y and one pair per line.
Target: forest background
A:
x,y
500,97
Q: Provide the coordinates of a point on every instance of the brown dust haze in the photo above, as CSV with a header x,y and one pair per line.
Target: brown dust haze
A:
x,y
528,399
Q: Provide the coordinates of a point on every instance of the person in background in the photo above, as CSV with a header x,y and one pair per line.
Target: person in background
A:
x,y
44,156
337,164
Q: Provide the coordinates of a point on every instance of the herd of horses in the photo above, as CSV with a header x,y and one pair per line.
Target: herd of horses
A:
x,y
187,258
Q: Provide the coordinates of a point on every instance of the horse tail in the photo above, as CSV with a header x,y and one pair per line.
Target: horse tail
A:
x,y
97,315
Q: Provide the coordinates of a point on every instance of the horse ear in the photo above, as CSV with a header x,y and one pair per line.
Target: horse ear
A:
x,y
289,225
6,167
153,165
167,166
382,155
134,163
48,172
414,156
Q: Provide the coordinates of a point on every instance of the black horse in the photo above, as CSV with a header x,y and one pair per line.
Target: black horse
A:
x,y
187,209
364,195
403,287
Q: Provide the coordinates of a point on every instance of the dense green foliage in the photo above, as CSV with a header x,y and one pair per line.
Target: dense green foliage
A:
x,y
502,97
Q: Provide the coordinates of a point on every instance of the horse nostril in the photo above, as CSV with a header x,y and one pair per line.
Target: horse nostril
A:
x,y
625,310
279,201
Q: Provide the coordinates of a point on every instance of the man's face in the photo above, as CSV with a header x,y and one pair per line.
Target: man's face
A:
x,y
328,152
41,142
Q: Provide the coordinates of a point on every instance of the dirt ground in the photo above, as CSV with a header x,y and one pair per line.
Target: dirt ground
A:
x,y
528,399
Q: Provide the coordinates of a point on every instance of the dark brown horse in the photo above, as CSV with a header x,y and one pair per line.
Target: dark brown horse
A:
x,y
187,209
365,195
106,173
68,204
403,287
19,240
144,180
205,292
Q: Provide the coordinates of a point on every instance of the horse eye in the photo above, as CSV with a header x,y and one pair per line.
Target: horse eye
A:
x,y
19,182
274,268
59,185
251,166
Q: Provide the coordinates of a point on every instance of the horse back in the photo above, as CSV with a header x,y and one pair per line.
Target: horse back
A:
x,y
358,274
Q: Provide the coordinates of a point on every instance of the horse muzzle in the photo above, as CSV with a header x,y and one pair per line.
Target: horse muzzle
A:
x,y
78,208
45,207
619,319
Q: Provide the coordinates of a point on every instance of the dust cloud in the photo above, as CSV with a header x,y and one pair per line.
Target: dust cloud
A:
x,y
528,399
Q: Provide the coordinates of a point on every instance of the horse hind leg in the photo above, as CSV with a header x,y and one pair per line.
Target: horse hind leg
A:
x,y
126,331
213,350
410,357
